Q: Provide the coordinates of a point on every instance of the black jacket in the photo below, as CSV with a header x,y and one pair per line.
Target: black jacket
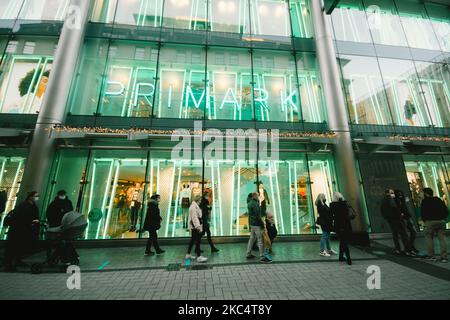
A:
x,y
254,213
390,210
433,208
204,205
21,228
153,218
56,211
339,211
403,208
325,219
271,230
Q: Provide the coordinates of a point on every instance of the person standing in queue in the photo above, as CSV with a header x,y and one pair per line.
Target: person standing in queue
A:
x,y
256,227
206,214
152,224
325,221
407,218
341,222
195,224
23,231
58,208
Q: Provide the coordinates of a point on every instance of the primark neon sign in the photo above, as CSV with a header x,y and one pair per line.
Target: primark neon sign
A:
x,y
193,97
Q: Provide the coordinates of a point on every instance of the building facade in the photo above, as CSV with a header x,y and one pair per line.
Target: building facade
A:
x,y
359,91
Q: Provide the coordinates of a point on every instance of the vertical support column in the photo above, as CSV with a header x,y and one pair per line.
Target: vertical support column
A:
x,y
53,109
337,114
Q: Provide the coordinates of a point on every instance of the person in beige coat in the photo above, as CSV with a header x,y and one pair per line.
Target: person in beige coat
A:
x,y
195,224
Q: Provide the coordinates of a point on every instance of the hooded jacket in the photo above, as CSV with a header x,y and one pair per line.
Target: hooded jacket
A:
x,y
153,218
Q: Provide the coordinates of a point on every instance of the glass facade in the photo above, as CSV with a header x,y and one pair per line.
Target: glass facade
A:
x,y
229,63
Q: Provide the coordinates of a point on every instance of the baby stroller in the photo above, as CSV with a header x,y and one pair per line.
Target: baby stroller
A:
x,y
59,242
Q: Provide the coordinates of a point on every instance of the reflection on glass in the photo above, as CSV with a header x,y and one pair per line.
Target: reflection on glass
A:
x,y
440,19
11,172
350,22
229,16
403,90
302,26
9,9
25,71
185,14
364,88
264,13
427,174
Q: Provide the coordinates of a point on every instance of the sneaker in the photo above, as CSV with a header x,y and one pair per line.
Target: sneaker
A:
x,y
397,252
331,251
189,256
160,251
214,249
202,259
444,260
410,254
265,260
324,254
250,256
149,253
431,258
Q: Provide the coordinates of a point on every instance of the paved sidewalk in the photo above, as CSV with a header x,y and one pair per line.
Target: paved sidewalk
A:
x,y
298,273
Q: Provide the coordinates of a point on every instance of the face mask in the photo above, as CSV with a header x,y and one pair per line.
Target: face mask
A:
x,y
392,195
36,199
62,197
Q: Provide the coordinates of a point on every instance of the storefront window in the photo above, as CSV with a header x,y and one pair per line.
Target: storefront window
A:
x,y
440,20
128,12
113,197
364,89
275,87
229,16
11,172
46,10
9,9
350,22
404,93
385,24
265,12
185,14
181,87
427,173
435,81
25,70
230,74
302,25
311,94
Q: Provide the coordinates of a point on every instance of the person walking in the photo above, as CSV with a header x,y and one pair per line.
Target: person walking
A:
x,y
339,210
206,215
407,218
325,221
271,228
23,231
152,224
393,215
58,208
195,224
256,228
434,214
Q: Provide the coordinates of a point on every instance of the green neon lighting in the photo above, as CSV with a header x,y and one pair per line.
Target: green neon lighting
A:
x,y
176,198
91,193
172,183
111,201
220,198
105,196
232,200
12,194
290,196
238,197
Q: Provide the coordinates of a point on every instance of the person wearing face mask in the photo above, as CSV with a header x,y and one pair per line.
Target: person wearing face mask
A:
x,y
152,224
23,231
58,208
394,217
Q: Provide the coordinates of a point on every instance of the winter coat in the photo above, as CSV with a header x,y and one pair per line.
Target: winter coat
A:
x,y
153,218
56,211
390,210
325,219
339,211
22,233
204,205
254,213
195,217
433,208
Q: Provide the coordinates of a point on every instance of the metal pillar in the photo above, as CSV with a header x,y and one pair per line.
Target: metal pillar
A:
x,y
53,109
337,114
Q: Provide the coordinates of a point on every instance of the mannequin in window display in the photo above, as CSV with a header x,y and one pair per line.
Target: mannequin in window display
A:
x,y
137,196
410,110
185,196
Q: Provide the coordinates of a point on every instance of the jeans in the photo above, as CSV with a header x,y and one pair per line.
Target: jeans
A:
x,y
196,237
344,238
255,234
432,228
152,240
325,241
208,235
399,229
412,232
